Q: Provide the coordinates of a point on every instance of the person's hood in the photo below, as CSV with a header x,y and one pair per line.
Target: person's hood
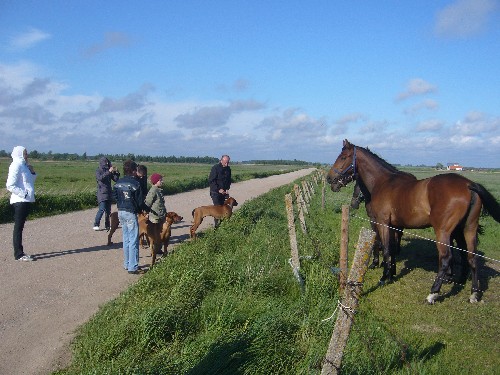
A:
x,y
104,163
18,153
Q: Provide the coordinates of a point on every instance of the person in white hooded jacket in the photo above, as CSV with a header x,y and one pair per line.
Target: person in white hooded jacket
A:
x,y
21,185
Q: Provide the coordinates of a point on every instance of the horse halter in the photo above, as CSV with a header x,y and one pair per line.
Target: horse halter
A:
x,y
344,178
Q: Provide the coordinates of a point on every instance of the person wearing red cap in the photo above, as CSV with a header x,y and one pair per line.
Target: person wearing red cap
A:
x,y
155,201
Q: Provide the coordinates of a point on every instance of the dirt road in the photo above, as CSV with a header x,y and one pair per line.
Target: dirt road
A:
x,y
43,302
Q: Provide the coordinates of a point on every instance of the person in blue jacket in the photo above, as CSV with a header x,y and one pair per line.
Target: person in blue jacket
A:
x,y
104,175
130,201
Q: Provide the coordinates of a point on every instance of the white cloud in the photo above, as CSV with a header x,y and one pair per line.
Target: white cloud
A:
x,y
428,104
37,111
28,39
430,126
477,124
351,118
464,18
416,87
111,40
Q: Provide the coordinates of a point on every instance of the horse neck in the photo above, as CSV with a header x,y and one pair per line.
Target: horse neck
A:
x,y
370,171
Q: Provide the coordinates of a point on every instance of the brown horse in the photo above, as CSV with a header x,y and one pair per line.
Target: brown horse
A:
x,y
357,198
450,203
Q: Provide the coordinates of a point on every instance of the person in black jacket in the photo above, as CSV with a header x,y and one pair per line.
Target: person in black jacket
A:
x,y
142,176
104,175
219,180
129,200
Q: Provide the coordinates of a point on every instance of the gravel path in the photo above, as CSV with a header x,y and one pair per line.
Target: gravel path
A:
x,y
43,302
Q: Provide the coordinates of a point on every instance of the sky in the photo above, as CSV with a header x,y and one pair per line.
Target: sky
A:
x,y
417,82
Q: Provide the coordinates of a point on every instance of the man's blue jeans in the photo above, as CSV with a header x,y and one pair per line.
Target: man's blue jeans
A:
x,y
130,230
104,207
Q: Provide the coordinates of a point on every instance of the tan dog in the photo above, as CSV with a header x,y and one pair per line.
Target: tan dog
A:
x,y
150,231
114,222
172,218
219,212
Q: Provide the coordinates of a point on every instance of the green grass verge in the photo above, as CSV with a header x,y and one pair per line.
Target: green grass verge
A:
x,y
228,303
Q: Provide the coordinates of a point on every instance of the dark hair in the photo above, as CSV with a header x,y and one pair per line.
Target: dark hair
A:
x,y
143,169
129,167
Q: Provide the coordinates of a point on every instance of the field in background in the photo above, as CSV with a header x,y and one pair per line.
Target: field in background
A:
x,y
66,177
70,186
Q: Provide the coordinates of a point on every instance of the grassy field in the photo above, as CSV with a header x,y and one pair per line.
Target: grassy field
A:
x,y
228,303
71,186
57,177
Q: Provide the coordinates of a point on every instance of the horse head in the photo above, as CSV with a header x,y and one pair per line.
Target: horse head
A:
x,y
343,170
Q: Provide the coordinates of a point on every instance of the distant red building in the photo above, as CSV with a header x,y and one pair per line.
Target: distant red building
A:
x,y
454,167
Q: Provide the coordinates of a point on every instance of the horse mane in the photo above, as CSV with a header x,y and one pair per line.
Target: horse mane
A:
x,y
384,163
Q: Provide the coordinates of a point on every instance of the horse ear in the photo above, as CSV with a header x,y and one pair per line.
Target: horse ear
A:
x,y
346,143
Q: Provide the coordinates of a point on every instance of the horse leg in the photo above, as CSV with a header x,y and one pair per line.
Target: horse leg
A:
x,y
388,256
398,234
394,242
471,239
470,234
444,264
461,245
377,247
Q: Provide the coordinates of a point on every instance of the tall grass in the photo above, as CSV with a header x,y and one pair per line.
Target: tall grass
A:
x,y
228,303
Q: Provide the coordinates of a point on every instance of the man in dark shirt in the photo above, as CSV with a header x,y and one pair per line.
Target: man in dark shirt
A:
x,y
220,182
129,200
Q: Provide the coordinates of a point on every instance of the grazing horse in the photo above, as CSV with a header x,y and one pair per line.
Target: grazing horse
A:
x,y
450,203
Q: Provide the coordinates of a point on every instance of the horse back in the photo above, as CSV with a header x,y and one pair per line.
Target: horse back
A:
x,y
411,203
400,201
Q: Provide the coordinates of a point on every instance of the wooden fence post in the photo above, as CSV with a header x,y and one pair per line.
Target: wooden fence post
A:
x,y
300,197
306,192
323,195
301,208
344,242
350,301
295,262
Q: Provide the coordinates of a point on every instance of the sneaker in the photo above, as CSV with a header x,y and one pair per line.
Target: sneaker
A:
x,y
136,272
96,228
107,229
26,258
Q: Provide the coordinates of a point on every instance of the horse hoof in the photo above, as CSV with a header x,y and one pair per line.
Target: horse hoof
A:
x,y
474,298
431,298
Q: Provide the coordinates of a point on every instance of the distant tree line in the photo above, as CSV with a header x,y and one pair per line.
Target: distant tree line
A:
x,y
139,158
55,156
278,162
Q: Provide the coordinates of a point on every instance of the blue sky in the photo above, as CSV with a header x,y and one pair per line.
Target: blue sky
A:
x,y
418,82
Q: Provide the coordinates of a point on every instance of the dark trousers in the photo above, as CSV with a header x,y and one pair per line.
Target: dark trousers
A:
x,y
104,207
21,211
217,198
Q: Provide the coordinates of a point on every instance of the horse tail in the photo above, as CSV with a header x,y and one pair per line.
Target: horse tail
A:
x,y
489,202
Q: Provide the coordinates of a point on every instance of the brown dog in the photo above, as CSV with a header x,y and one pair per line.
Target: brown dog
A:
x,y
150,230
172,218
219,212
113,224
